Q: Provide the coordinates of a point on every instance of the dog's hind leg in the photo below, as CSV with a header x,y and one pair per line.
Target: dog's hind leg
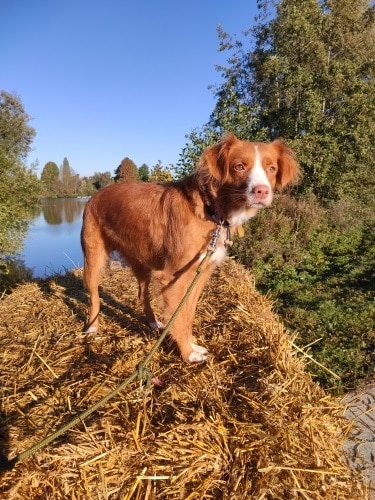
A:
x,y
143,276
95,261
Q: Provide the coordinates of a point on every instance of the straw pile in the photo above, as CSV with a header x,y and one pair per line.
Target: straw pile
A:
x,y
248,424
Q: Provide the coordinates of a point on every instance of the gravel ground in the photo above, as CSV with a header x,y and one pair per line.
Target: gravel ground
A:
x,y
360,444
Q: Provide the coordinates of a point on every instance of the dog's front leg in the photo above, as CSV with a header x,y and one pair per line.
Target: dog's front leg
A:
x,y
181,332
173,292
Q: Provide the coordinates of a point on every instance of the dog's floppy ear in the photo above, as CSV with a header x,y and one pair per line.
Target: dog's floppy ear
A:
x,y
289,172
214,160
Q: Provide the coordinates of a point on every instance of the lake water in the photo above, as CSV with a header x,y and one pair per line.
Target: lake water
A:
x,y
52,244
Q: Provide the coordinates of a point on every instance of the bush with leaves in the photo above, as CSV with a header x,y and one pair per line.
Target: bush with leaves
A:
x,y
317,265
19,185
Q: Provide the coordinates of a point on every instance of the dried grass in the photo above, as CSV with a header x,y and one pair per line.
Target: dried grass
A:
x,y
248,424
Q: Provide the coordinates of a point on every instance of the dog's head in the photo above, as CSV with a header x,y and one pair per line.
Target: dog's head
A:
x,y
249,170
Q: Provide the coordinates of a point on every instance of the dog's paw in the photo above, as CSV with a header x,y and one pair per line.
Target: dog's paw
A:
x,y
90,334
197,357
91,330
198,348
155,325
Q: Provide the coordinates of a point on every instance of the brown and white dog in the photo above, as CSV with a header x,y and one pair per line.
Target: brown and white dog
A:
x,y
163,230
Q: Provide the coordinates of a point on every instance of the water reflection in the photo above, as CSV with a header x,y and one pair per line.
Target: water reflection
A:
x,y
53,244
57,211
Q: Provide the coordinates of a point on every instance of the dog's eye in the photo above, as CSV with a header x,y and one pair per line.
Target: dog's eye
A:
x,y
239,167
272,169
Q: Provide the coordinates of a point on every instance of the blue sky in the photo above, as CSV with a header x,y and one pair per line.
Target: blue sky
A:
x,y
105,79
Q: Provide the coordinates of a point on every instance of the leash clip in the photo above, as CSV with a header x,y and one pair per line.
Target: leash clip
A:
x,y
212,246
228,240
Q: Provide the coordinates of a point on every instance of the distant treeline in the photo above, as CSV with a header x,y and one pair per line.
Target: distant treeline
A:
x,y
63,181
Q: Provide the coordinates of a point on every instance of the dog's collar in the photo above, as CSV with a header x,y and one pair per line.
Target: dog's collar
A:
x,y
213,212
211,206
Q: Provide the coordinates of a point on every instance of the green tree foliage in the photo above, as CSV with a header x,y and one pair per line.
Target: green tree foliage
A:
x,y
236,110
89,185
49,178
144,173
127,171
101,179
312,79
16,133
69,181
160,173
198,140
19,185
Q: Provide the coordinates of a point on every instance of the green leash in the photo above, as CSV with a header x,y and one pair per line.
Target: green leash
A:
x,y
141,372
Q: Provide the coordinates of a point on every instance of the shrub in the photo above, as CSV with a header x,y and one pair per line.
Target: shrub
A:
x,y
315,263
12,272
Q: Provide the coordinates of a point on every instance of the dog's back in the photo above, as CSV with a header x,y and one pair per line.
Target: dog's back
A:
x,y
144,222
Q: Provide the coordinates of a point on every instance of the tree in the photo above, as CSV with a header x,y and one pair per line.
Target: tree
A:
x,y
309,78
127,171
144,173
101,179
19,185
16,135
49,178
160,174
350,105
69,181
317,58
198,140
236,110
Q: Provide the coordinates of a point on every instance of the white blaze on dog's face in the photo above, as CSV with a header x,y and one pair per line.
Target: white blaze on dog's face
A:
x,y
256,165
259,187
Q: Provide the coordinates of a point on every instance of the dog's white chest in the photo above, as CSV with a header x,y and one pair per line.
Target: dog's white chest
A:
x,y
219,254
220,251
